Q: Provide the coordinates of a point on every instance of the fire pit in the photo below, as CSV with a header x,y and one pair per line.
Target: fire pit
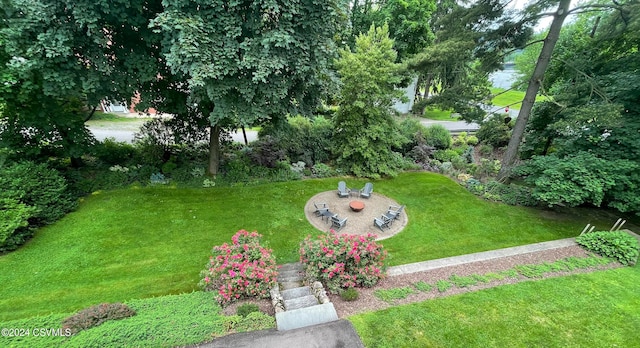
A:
x,y
356,206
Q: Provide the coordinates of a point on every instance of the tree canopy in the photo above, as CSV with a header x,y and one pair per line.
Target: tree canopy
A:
x,y
60,58
249,61
470,42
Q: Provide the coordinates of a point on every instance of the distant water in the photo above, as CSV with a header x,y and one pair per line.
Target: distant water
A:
x,y
503,78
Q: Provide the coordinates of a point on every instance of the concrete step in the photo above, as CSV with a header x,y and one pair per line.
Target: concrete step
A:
x,y
293,278
296,292
300,302
291,266
289,285
307,316
290,273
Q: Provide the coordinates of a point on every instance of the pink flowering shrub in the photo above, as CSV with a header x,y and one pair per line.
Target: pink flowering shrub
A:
x,y
241,269
343,261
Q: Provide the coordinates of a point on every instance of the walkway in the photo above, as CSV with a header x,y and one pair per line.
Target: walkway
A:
x,y
481,256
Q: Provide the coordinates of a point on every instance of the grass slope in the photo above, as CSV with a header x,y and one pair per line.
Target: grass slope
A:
x,y
145,242
166,321
598,309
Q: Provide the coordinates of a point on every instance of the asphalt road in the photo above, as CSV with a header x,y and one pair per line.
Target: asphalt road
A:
x,y
124,131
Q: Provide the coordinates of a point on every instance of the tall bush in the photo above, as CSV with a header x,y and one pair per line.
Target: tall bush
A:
x,y
494,131
14,223
578,179
413,133
438,136
31,192
241,269
302,138
343,261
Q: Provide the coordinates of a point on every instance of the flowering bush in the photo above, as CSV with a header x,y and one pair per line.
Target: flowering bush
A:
x,y
241,269
343,261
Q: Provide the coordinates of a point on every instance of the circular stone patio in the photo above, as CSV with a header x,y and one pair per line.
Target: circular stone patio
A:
x,y
358,223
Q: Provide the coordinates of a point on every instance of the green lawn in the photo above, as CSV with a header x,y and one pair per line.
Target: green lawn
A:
x,y
598,309
512,98
145,242
439,115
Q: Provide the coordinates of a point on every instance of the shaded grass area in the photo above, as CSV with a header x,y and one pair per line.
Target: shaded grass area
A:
x,y
598,309
145,242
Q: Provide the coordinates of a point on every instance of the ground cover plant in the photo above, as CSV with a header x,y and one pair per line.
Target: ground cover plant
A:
x,y
617,245
597,309
152,241
166,321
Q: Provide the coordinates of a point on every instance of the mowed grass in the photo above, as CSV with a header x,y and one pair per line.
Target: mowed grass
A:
x,y
145,242
598,309
438,114
511,98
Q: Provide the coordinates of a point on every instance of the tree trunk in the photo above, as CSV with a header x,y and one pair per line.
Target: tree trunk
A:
x,y
214,150
244,134
511,153
428,86
547,146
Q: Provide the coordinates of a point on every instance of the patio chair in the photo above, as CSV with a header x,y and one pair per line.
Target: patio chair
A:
x,y
394,211
337,223
382,222
367,190
320,208
343,190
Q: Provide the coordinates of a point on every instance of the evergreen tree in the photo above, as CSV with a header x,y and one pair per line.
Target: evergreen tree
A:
x,y
365,131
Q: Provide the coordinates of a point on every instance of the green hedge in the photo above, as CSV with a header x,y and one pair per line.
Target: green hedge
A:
x,y
32,195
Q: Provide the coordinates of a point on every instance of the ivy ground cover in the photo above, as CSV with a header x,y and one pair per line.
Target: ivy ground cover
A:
x,y
143,242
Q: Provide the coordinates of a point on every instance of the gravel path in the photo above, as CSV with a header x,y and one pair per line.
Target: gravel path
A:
x,y
358,223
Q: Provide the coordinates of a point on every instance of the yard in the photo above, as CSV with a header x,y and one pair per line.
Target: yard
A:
x,y
143,242
139,243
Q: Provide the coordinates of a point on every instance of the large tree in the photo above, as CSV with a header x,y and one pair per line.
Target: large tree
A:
x,y
624,12
470,42
535,82
247,62
591,125
365,131
60,58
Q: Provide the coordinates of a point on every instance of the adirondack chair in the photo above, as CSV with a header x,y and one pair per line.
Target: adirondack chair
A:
x,y
382,222
394,211
337,223
320,208
343,190
367,190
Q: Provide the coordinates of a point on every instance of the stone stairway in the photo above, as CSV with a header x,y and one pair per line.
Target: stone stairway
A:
x,y
298,305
